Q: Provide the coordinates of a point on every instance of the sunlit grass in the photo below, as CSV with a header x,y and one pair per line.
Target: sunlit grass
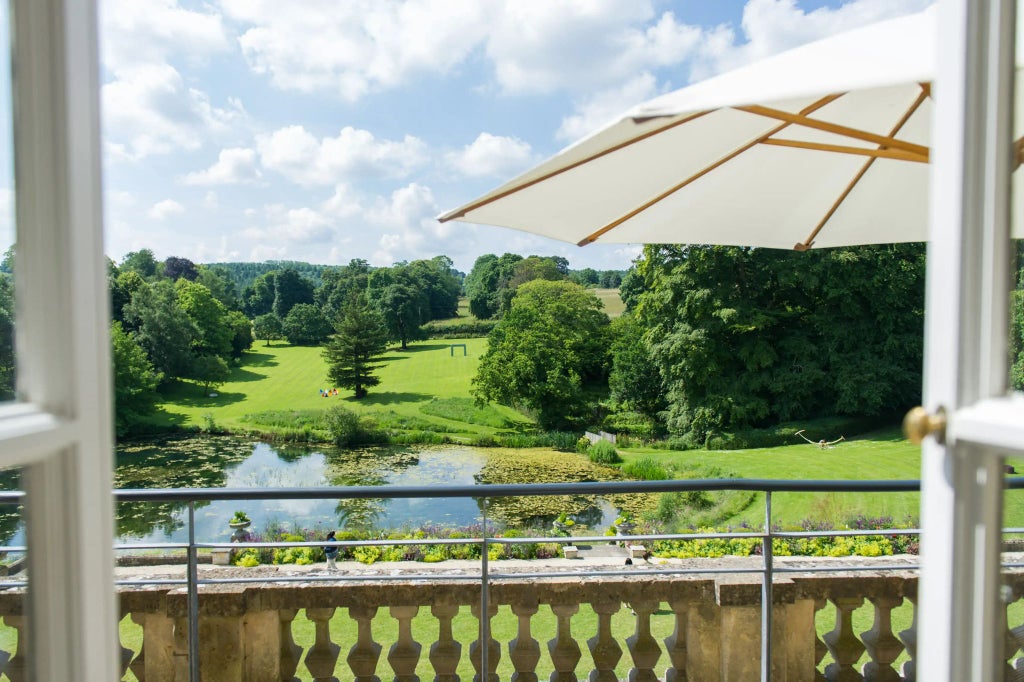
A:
x,y
281,377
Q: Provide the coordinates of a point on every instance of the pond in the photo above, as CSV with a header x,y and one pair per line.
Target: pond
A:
x,y
223,462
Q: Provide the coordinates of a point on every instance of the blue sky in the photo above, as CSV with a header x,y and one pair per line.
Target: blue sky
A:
x,y
324,131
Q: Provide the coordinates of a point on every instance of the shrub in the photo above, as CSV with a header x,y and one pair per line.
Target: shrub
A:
x,y
342,424
247,558
646,469
603,452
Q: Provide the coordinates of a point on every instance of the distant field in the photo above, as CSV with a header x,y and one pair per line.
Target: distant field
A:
x,y
283,377
613,304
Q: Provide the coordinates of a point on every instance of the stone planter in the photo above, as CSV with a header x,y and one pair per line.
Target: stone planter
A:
x,y
239,534
221,556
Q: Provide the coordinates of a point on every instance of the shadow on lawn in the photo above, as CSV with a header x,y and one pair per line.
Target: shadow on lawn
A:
x,y
189,399
388,398
254,358
242,375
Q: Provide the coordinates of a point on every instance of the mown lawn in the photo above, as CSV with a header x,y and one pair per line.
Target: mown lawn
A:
x,y
284,377
884,455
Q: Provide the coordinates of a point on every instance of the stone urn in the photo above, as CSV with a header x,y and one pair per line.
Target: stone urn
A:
x,y
239,533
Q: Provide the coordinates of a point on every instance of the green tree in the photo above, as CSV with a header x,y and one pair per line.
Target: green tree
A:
x,y
268,326
218,280
209,371
339,284
241,332
209,316
162,328
548,350
402,302
354,352
436,279
749,337
258,297
584,277
142,261
634,379
123,286
486,282
305,325
135,380
290,289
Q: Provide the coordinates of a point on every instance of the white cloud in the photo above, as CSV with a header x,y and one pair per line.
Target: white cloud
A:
x,y
600,108
150,110
165,209
541,47
147,106
491,155
150,31
295,153
233,166
771,26
355,47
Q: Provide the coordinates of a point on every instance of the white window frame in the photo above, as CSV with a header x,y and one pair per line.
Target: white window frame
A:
x,y
962,623
60,430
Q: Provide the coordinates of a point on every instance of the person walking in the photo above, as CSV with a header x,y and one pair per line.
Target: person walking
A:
x,y
331,551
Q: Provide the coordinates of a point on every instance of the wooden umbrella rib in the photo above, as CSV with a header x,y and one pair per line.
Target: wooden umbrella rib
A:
x,y
807,243
897,154
575,164
808,122
704,171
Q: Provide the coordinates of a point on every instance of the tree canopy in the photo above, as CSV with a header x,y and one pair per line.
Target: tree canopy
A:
x,y
354,352
749,337
548,349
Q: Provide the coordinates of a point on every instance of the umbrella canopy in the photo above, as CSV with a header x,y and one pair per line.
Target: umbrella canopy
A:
x,y
824,145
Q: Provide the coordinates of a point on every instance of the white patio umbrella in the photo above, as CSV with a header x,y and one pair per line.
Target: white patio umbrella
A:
x,y
824,145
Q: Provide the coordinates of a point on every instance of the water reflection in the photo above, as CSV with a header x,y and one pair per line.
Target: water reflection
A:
x,y
214,462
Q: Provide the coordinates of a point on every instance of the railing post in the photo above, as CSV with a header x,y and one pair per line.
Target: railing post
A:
x,y
766,591
193,596
485,620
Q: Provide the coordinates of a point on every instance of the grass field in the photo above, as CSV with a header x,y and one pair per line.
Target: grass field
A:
x,y
613,304
283,377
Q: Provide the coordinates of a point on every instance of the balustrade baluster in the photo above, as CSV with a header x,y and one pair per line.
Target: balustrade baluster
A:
x,y
1012,639
675,644
291,653
820,649
365,653
493,648
138,664
126,655
643,648
445,652
604,648
524,650
842,643
322,657
564,650
17,665
880,642
909,636
405,652
180,649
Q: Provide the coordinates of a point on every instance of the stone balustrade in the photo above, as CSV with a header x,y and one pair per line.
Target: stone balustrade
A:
x,y
709,628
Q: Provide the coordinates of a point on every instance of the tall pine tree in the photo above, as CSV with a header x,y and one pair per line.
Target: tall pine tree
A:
x,y
356,347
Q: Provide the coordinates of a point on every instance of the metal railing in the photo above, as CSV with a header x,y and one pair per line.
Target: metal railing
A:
x,y
484,493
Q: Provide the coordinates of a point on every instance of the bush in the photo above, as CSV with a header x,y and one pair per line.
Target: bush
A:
x,y
342,424
603,452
